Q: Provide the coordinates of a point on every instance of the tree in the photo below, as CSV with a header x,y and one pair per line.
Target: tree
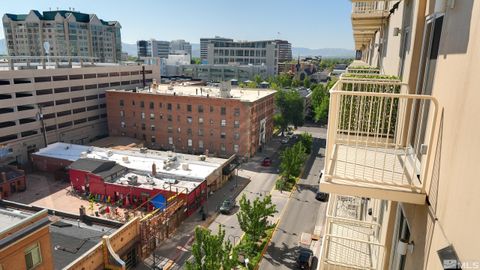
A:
x,y
291,107
196,61
253,218
296,83
321,111
307,141
252,84
292,159
278,121
306,82
257,79
210,251
320,103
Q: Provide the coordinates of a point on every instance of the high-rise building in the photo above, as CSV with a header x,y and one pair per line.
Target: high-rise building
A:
x,y
284,51
204,45
153,48
263,52
180,46
60,104
194,119
62,33
403,140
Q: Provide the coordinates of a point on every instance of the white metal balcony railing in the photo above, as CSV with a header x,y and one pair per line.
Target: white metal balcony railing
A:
x,y
352,239
378,136
370,7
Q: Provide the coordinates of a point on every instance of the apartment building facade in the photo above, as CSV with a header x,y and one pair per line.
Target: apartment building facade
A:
x,y
284,50
216,73
39,106
194,119
62,33
153,48
180,46
402,151
263,52
204,46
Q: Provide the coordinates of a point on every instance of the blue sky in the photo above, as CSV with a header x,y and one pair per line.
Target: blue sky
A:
x,y
305,23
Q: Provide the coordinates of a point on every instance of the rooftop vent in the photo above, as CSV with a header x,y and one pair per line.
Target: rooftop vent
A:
x,y
109,153
143,150
125,159
185,166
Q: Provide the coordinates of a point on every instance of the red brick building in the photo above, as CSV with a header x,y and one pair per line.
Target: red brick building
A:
x,y
11,180
109,181
194,119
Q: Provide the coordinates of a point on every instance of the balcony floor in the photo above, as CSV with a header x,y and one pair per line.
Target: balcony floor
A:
x,y
348,253
382,173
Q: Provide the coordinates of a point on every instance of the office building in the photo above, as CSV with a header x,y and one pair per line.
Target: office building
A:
x,y
153,48
284,50
214,73
204,46
180,46
244,53
403,140
203,120
62,33
39,105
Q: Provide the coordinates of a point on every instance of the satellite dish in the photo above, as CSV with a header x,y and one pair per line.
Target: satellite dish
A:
x,y
46,46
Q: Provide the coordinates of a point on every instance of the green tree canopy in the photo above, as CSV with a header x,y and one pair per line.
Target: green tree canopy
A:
x,y
307,141
291,107
307,82
292,159
210,251
253,217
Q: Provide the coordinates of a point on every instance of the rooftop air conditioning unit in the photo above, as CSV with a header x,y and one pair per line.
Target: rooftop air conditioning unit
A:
x,y
185,166
109,153
83,155
143,150
169,153
202,157
125,159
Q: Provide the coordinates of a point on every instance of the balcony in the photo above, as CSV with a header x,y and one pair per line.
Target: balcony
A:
x,y
353,239
359,67
367,18
379,139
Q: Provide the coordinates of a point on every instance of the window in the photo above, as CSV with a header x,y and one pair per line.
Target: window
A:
x,y
223,111
236,112
170,129
153,139
189,108
236,135
133,102
189,131
122,113
152,127
200,120
178,106
152,116
169,117
143,126
189,119
200,108
169,106
200,144
161,116
235,148
223,123
142,104
211,108
121,102
152,105
170,140
222,147
223,135
236,124
211,121
123,125
190,143
200,132
160,105
33,256
143,115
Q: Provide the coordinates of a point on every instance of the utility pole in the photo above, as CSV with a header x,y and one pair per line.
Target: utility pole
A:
x,y
40,117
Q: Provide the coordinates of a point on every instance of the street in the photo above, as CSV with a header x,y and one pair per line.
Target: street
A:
x,y
302,213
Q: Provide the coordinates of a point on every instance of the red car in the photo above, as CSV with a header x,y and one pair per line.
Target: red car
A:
x,y
266,162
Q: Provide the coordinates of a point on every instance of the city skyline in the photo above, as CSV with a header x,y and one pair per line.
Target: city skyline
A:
x,y
331,14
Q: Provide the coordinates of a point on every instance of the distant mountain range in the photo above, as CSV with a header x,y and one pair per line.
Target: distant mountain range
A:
x,y
131,49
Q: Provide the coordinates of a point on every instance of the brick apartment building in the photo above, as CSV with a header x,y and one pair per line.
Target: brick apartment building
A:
x,y
216,121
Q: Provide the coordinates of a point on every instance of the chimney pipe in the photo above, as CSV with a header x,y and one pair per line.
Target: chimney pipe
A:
x,y
154,169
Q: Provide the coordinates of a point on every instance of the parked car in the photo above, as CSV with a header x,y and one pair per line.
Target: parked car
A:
x,y
227,206
266,162
321,196
285,140
305,258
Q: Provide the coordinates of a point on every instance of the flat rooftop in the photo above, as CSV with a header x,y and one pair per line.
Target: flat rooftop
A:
x,y
135,160
242,94
10,218
150,182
